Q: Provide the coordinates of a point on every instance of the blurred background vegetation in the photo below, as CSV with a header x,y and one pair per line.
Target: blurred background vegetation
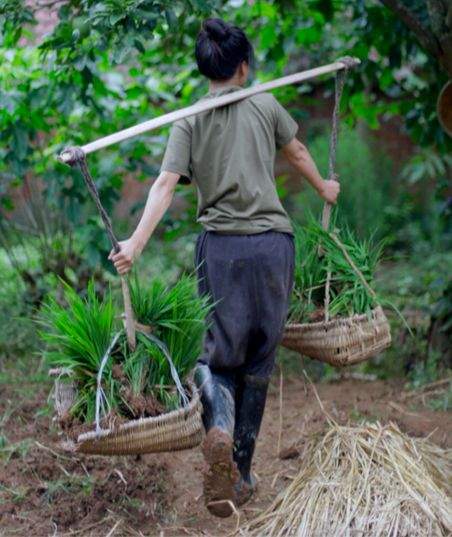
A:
x,y
72,71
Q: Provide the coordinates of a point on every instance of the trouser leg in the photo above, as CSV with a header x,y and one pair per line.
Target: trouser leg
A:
x,y
274,278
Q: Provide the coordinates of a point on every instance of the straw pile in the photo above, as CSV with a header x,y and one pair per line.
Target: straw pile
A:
x,y
370,480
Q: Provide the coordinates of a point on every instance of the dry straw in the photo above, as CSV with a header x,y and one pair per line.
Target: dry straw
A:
x,y
370,480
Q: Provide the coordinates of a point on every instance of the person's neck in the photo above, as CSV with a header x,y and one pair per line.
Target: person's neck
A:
x,y
220,84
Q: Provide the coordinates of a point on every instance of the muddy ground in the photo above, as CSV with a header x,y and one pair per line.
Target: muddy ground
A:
x,y
44,491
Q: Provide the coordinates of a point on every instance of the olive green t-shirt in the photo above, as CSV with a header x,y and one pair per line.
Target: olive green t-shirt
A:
x,y
229,154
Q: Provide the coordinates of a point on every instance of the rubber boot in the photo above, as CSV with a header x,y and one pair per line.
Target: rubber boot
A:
x,y
221,475
250,405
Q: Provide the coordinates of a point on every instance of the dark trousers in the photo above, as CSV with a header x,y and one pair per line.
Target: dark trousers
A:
x,y
250,279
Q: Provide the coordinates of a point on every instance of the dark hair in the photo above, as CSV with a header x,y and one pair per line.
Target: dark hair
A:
x,y
221,48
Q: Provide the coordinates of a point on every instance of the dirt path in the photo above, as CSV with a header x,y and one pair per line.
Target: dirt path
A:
x,y
43,492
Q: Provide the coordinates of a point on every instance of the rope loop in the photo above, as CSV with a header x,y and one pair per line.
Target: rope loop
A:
x,y
100,394
75,156
101,399
340,78
72,155
348,61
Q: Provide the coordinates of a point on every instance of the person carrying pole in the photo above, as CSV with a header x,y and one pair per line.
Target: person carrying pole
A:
x,y
244,255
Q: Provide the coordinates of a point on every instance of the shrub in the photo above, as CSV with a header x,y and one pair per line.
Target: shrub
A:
x,y
367,184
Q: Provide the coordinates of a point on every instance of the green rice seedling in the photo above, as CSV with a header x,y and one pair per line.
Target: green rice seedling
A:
x,y
78,333
177,317
136,366
319,251
81,329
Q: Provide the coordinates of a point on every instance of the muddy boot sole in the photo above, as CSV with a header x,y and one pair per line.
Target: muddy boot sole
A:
x,y
221,475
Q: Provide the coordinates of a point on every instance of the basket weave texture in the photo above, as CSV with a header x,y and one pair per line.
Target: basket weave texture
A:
x,y
174,431
342,341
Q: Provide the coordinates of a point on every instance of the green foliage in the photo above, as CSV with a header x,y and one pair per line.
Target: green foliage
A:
x,y
66,90
107,65
369,191
14,14
426,165
78,334
348,295
425,371
443,401
17,335
442,308
416,285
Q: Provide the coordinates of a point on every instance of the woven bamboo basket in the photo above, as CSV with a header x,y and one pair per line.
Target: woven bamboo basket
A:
x,y
174,431
342,341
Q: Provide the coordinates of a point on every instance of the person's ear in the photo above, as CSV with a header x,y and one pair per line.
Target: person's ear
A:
x,y
244,70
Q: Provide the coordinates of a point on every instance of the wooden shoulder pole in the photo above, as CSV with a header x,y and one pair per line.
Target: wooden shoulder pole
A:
x,y
209,104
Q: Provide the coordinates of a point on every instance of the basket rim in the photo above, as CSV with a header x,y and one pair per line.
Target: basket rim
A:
x,y
183,412
337,321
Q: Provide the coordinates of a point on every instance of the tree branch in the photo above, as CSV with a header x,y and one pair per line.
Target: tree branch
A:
x,y
437,12
424,35
441,22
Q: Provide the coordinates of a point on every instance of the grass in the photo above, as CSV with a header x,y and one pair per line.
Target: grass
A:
x,y
442,402
412,285
16,494
71,484
15,449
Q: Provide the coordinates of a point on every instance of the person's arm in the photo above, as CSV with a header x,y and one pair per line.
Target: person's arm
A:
x,y
298,155
159,199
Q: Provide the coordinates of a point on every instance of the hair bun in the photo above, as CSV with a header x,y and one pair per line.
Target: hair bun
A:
x,y
216,29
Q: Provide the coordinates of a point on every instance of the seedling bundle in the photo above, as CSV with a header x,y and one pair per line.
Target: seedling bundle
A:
x,y
101,380
319,253
335,315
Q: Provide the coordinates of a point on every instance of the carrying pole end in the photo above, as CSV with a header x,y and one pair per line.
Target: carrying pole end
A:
x,y
71,155
349,61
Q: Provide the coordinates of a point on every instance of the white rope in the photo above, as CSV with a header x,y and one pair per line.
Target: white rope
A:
x,y
161,345
100,394
209,104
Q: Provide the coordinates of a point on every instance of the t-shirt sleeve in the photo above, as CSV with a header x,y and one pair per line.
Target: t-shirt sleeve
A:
x,y
285,126
177,153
